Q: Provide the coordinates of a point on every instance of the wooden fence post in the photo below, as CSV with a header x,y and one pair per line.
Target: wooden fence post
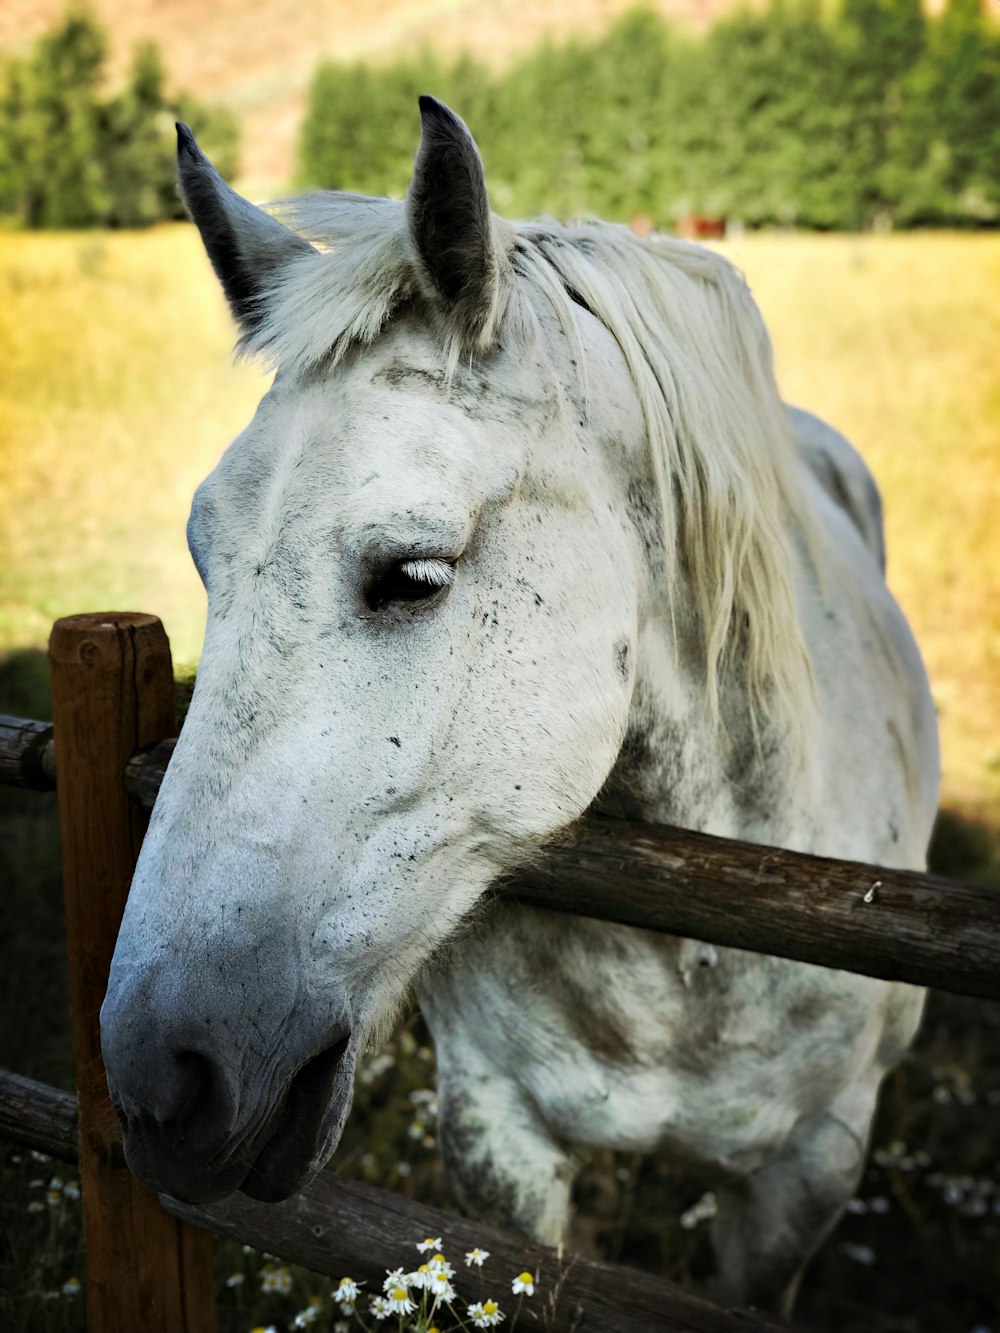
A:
x,y
112,692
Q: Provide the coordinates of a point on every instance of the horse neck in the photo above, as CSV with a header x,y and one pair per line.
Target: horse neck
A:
x,y
679,763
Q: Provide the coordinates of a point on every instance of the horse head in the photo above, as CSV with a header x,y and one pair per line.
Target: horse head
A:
x,y
424,567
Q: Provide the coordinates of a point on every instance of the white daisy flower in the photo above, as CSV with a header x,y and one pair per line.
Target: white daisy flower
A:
x,y
439,1264
441,1289
485,1314
477,1257
420,1277
380,1307
431,1243
235,1280
396,1278
277,1280
523,1282
399,1301
347,1290
71,1287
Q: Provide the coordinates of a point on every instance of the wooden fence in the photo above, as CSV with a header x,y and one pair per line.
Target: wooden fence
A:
x,y
149,1260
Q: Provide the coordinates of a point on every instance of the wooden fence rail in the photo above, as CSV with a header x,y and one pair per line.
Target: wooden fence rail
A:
x,y
27,753
340,1227
895,924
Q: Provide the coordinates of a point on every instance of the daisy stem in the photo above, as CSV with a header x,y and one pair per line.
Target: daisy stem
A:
x,y
517,1312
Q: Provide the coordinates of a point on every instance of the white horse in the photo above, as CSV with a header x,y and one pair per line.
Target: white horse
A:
x,y
521,529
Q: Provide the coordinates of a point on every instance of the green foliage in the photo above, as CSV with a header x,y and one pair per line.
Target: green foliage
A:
x,y
866,116
947,159
71,157
358,129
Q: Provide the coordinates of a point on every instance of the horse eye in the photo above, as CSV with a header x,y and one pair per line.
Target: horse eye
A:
x,y
417,580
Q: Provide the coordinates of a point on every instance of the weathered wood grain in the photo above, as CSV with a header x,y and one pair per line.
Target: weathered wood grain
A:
x,y
37,1116
112,693
144,771
27,754
894,924
342,1227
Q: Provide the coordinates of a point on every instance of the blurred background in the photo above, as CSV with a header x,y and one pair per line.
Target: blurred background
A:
x,y
844,153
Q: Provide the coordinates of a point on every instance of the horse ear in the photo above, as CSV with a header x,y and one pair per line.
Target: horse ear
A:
x,y
247,246
451,227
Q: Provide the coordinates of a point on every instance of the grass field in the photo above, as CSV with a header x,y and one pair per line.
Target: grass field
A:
x,y
117,394
116,397
896,340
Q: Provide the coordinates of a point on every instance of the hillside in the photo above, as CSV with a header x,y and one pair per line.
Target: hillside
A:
x,y
258,58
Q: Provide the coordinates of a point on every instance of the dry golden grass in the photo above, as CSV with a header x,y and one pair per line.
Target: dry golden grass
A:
x,y
117,395
896,340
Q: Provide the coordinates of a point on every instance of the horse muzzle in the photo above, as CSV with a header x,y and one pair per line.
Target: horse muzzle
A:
x,y
203,1116
191,1149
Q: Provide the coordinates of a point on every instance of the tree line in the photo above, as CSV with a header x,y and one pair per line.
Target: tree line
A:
x,y
71,156
865,116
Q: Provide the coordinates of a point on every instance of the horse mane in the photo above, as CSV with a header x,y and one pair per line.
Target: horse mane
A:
x,y
721,445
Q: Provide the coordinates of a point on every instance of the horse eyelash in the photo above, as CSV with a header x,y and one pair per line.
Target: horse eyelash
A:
x,y
437,573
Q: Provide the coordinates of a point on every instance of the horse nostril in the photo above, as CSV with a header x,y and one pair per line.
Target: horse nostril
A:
x,y
185,1094
194,1078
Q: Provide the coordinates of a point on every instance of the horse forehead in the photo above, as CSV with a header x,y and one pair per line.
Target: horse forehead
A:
x,y
352,439
486,394
390,428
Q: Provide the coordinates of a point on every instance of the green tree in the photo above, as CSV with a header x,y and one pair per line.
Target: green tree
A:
x,y
136,150
857,116
61,181
946,148
15,112
880,41
72,158
358,133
